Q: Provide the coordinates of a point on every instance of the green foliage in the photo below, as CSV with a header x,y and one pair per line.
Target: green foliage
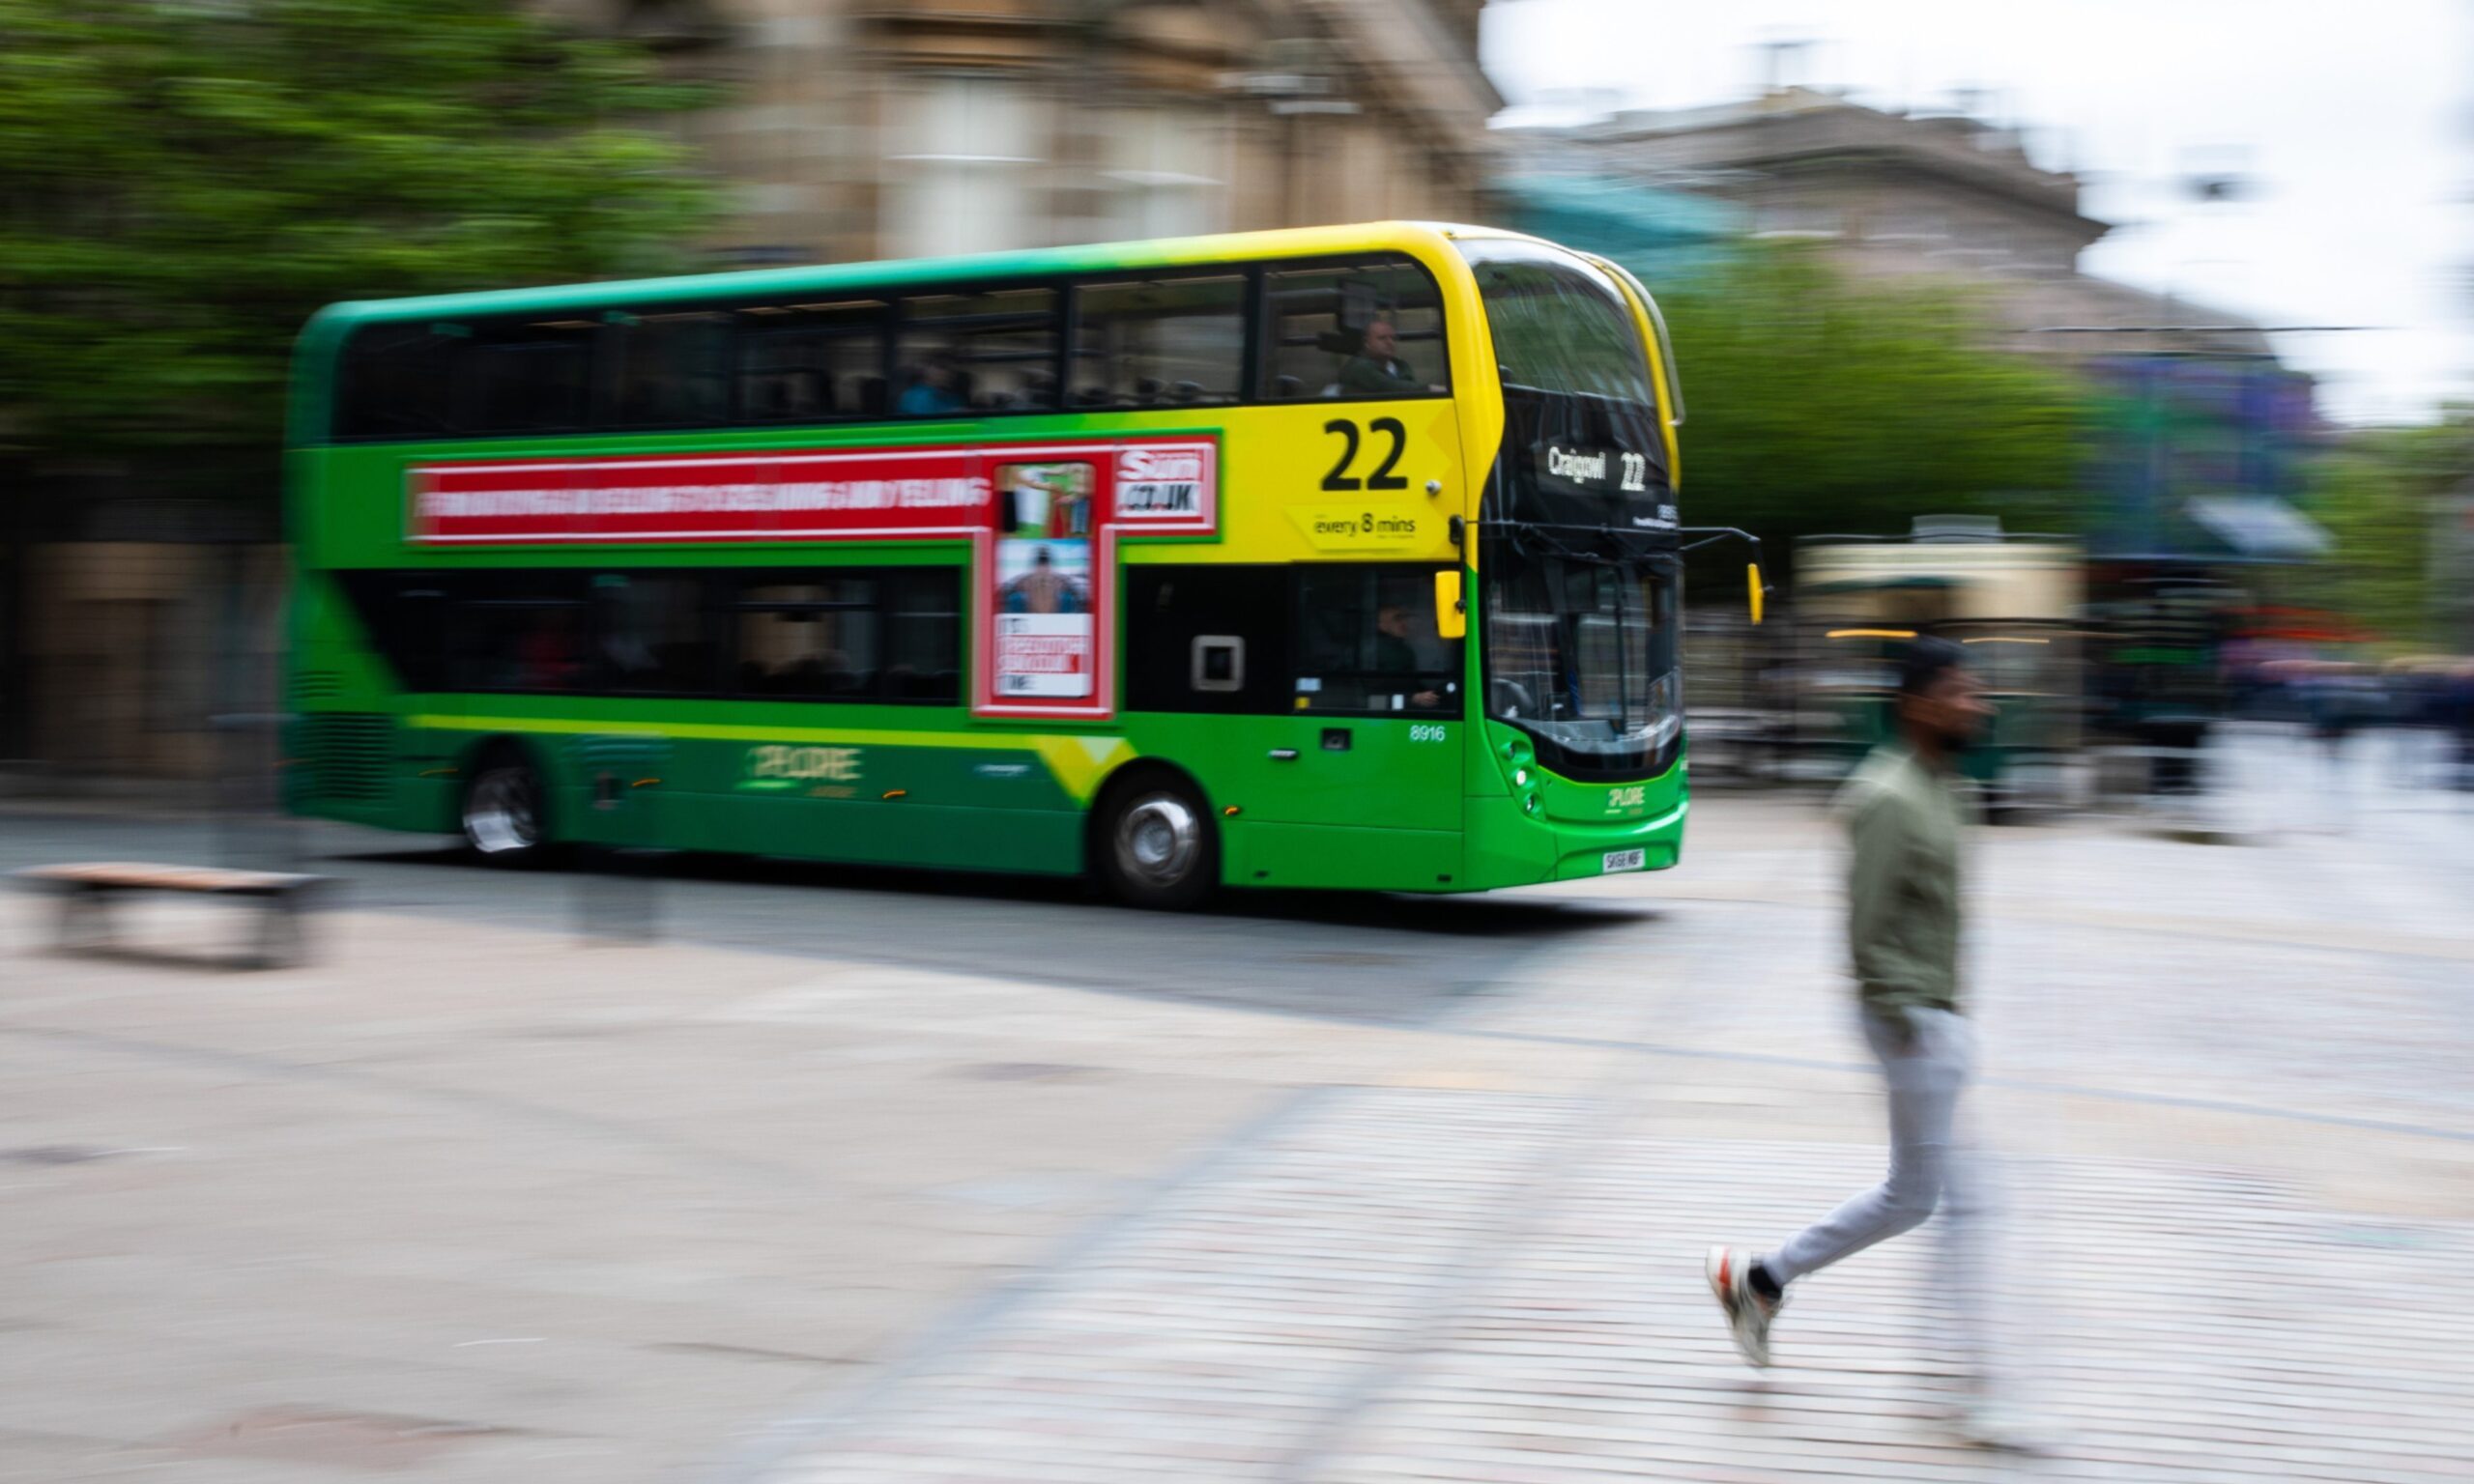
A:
x,y
1822,405
2379,493
181,183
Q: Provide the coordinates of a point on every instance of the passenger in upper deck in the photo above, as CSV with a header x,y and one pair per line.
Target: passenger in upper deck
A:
x,y
930,393
1378,367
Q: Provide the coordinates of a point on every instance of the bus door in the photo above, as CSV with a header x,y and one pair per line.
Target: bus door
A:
x,y
1357,777
1314,700
1378,708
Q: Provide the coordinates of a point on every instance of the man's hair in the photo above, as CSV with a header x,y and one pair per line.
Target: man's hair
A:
x,y
1925,660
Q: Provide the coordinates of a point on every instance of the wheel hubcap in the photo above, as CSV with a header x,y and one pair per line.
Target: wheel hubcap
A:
x,y
498,816
1158,840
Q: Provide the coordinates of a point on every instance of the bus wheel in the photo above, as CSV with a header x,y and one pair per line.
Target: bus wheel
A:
x,y
503,817
1157,848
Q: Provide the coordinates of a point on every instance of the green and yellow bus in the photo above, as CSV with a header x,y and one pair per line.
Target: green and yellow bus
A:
x,y
1333,557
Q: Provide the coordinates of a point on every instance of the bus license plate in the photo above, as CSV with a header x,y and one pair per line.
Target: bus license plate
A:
x,y
1624,860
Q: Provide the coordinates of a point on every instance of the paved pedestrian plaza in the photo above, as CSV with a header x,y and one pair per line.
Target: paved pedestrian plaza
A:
x,y
848,1178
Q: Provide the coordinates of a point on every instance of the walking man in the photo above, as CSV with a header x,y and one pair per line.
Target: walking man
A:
x,y
1903,813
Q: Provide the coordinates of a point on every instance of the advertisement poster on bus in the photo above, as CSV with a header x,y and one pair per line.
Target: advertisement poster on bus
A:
x,y
1046,647
1042,522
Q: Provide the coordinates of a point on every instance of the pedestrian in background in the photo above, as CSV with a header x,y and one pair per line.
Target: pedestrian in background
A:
x,y
1905,809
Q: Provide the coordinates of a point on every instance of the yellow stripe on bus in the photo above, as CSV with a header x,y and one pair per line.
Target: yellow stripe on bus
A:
x,y
1078,764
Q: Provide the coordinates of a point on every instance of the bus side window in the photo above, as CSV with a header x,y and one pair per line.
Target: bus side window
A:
x,y
528,377
1366,642
966,354
811,362
517,631
674,371
885,634
1206,638
1170,342
814,638
655,635
924,644
438,379
396,381
1372,330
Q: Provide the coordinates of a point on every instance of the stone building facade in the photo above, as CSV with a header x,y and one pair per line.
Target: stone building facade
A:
x,y
1900,195
864,128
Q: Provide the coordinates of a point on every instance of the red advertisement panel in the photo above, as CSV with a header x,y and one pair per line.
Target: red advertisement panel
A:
x,y
1042,521
756,497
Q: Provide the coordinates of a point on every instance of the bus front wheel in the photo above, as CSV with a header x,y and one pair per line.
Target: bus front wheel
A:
x,y
504,817
1156,846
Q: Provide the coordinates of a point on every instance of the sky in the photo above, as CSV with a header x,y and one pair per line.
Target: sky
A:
x,y
2353,122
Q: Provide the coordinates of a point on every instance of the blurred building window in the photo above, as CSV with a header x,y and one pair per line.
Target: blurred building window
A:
x,y
1161,342
963,354
1910,223
1796,218
1167,172
673,370
654,636
963,171
1374,329
812,363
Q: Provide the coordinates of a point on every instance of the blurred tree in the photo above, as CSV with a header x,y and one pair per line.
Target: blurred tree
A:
x,y
183,182
2380,493
1824,405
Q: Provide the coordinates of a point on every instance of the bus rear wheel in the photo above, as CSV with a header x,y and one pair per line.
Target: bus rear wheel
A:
x,y
504,816
1157,847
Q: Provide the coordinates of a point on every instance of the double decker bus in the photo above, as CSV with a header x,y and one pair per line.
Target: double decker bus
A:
x,y
1338,557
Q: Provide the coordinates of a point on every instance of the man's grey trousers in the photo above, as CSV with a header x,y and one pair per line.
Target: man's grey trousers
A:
x,y
1930,1168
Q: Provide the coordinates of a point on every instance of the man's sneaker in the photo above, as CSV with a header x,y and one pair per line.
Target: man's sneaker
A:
x,y
1749,1314
2000,1427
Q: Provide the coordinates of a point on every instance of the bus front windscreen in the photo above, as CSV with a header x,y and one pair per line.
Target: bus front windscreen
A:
x,y
1581,655
1559,325
1579,565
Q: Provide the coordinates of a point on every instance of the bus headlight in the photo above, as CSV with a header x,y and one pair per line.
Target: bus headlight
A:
x,y
1521,777
1529,805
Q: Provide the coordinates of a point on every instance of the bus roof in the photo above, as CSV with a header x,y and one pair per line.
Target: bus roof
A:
x,y
911,273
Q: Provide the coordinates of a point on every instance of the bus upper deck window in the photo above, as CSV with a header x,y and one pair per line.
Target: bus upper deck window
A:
x,y
673,370
1366,331
1165,342
964,354
812,363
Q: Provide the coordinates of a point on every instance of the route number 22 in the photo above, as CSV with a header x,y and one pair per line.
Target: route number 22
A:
x,y
1340,478
1636,470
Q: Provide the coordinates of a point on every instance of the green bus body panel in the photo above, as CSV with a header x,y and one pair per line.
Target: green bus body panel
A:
x,y
1409,805
976,801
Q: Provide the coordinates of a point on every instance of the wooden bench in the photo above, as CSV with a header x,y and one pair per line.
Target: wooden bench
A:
x,y
86,891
